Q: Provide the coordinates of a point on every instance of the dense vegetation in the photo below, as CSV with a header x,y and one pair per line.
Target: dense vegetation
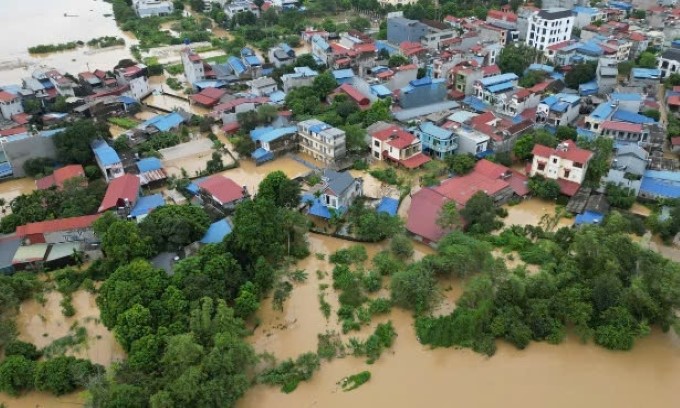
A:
x,y
594,280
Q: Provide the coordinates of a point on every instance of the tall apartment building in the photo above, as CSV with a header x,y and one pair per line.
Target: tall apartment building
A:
x,y
548,27
321,141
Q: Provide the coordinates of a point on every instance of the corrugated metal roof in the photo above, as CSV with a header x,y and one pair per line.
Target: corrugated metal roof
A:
x,y
30,253
62,250
216,232
146,204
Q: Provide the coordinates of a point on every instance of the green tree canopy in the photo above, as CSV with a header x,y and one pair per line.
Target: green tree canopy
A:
x,y
479,214
280,190
171,227
517,58
461,164
73,144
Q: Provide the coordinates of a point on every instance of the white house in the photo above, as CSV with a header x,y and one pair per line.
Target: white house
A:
x,y
567,164
548,27
471,141
303,76
396,144
584,16
669,62
236,7
10,105
193,66
321,141
148,8
135,77
263,86
558,110
340,189
64,85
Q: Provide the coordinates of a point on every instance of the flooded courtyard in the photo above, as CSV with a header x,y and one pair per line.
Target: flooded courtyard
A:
x,y
249,175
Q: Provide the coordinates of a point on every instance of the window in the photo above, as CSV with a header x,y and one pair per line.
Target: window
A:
x,y
578,165
376,143
554,160
541,166
566,173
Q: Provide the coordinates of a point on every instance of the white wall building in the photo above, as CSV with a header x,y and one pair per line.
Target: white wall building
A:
x,y
548,27
10,104
193,66
669,62
321,141
565,162
148,8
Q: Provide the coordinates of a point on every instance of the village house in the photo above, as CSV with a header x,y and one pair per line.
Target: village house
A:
x,y
281,55
628,167
321,141
64,85
302,76
548,27
497,181
397,145
221,192
465,75
488,89
263,86
151,8
74,229
107,159
10,105
472,141
558,110
135,78
60,176
240,6
194,68
272,142
437,142
567,164
208,97
422,92
338,192
669,62
353,94
121,194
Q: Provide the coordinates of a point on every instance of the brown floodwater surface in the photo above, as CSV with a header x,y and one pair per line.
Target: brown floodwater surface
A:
x,y
250,175
530,211
567,375
27,23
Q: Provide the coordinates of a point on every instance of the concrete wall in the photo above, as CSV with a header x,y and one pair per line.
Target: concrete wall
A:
x,y
83,235
21,150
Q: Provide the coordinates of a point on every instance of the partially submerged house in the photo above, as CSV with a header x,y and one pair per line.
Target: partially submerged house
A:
x,y
397,145
61,176
338,193
221,192
108,160
567,164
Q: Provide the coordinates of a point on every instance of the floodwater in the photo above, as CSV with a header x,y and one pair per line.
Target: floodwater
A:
x,y
32,22
530,211
11,189
42,324
172,103
567,375
250,175
191,156
37,399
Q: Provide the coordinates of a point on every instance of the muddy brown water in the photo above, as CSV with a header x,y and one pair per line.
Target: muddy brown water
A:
x,y
250,175
11,189
529,212
567,375
51,27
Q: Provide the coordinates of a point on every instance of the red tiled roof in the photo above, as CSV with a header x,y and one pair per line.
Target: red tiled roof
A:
x,y
123,187
60,176
491,70
573,152
63,224
395,137
675,141
499,15
224,189
461,189
194,58
45,182
568,188
484,118
456,94
13,131
266,5
517,181
522,94
415,161
674,100
407,67
559,45
540,87
230,127
7,97
385,74
622,126
365,47
353,93
208,96
426,204
21,118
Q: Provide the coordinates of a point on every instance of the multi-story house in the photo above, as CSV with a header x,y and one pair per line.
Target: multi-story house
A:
x,y
135,78
321,50
488,88
194,70
548,27
10,105
472,141
464,75
281,55
338,192
567,164
240,6
421,92
669,62
321,141
558,110
400,29
437,142
396,144
517,102
607,75
628,167
303,76
584,16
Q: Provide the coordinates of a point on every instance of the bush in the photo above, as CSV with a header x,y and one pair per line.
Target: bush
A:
x,y
375,344
16,374
355,381
388,175
414,288
21,348
63,374
290,373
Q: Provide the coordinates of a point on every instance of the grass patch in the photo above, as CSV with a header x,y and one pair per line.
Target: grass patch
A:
x,y
355,381
125,123
77,337
324,306
330,346
375,344
290,373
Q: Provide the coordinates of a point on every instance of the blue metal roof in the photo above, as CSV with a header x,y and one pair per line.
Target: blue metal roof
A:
x,y
388,205
277,97
585,10
498,79
127,100
603,111
589,88
320,42
105,153
627,97
318,209
656,184
149,164
319,127
585,133
261,155
381,90
475,103
646,73
500,87
286,48
216,232
192,188
343,73
560,107
252,60
236,65
588,217
145,204
52,132
421,82
435,131
164,122
590,48
540,67
246,51
632,117
209,83
383,45
271,134
6,169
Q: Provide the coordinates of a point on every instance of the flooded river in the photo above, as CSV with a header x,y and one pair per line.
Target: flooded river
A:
x,y
567,375
32,22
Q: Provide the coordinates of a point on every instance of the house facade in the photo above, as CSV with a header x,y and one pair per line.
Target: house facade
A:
x,y
567,164
222,192
193,66
321,141
669,62
340,189
397,145
558,110
437,142
10,105
548,27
